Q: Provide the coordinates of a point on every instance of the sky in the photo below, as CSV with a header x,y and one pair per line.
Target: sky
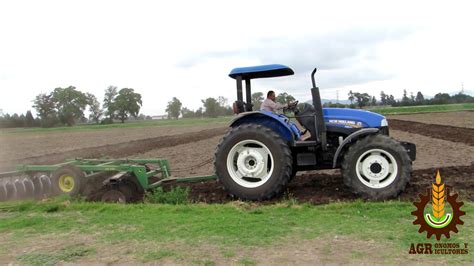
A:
x,y
186,49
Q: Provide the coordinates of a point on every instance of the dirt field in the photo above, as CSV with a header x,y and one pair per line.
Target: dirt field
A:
x,y
52,148
21,146
456,134
456,119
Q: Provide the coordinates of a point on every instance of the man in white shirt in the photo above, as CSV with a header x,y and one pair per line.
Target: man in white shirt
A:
x,y
270,105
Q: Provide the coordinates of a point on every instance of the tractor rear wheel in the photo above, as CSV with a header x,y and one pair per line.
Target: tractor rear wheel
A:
x,y
376,167
253,162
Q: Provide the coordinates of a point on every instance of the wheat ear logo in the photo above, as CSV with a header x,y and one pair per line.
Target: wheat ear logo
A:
x,y
438,220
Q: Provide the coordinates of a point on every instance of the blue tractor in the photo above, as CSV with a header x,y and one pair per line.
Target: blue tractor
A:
x,y
263,151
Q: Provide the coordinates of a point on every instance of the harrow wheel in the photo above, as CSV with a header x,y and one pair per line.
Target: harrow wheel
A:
x,y
68,180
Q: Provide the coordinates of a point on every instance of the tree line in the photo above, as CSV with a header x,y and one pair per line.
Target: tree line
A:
x,y
358,99
66,106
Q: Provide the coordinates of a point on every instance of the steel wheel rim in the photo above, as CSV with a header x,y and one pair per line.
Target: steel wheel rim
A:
x,y
376,168
66,183
250,163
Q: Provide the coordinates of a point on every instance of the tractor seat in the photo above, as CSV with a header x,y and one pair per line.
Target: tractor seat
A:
x,y
240,107
306,117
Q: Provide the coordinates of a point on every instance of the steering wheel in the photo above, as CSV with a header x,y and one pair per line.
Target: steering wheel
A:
x,y
293,107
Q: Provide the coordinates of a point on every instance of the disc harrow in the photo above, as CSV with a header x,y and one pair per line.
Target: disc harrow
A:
x,y
24,185
111,180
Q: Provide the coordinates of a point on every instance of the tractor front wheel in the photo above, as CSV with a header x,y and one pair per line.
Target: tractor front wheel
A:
x,y
253,162
376,167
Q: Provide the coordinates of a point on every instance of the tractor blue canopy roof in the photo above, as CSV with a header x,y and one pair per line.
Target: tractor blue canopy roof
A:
x,y
264,71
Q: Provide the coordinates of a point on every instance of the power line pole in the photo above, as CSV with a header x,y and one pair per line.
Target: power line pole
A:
x,y
337,96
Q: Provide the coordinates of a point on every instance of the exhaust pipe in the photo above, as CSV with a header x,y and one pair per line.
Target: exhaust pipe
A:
x,y
320,124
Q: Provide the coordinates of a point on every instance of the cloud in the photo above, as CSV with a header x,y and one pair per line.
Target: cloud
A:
x,y
347,57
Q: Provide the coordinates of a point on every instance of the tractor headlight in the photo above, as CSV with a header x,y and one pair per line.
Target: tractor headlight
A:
x,y
384,123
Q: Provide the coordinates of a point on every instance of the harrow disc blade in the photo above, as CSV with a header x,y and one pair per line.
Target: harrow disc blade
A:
x,y
3,192
38,186
45,184
29,187
11,190
20,189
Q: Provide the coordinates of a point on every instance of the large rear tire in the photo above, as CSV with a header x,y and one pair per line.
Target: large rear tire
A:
x,y
253,162
376,167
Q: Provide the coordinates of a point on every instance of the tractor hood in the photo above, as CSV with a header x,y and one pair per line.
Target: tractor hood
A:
x,y
352,118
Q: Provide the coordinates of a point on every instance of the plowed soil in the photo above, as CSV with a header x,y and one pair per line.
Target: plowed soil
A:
x,y
456,119
27,145
455,134
431,152
117,150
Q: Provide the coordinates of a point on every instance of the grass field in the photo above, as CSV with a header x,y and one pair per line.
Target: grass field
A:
x,y
423,109
184,233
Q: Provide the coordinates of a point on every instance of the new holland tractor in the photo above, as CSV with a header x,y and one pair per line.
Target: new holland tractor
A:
x,y
263,150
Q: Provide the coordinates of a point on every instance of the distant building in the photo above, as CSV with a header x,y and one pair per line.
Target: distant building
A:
x,y
159,117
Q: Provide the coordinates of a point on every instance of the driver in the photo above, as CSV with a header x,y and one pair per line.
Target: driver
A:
x,y
270,105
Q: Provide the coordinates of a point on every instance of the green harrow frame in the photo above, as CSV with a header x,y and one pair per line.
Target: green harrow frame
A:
x,y
121,180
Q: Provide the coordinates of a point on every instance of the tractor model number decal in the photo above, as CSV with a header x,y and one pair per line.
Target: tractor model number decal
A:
x,y
346,123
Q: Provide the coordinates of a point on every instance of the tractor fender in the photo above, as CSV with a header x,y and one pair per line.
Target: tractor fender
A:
x,y
353,136
279,123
